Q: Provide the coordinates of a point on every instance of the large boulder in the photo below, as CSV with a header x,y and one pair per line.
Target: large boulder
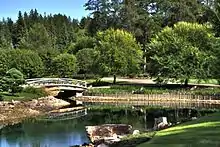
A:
x,y
107,132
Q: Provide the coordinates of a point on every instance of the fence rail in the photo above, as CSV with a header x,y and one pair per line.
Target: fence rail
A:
x,y
162,100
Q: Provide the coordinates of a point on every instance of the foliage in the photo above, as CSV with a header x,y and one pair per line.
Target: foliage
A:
x,y
85,60
51,35
5,35
27,61
11,81
64,65
4,62
99,82
173,56
39,92
89,77
129,89
117,53
37,38
82,42
47,56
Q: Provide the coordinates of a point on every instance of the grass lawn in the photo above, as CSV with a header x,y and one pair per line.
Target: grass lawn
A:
x,y
208,81
20,96
25,95
204,132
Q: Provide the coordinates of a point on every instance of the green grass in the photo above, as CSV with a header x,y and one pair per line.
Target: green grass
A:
x,y
133,140
208,81
26,94
204,132
128,89
123,89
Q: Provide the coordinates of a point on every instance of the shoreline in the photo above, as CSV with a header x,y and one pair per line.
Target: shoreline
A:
x,y
17,111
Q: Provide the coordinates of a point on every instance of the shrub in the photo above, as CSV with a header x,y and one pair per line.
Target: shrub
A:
x,y
38,91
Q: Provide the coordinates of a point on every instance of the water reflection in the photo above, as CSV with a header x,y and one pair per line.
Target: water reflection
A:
x,y
72,132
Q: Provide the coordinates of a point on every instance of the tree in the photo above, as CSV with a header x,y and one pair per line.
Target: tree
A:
x,y
19,30
36,39
11,81
5,36
85,60
118,53
64,65
182,52
4,62
81,43
104,15
214,16
26,61
216,64
180,10
47,56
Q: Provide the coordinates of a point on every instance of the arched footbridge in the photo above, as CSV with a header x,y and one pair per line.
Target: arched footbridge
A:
x,y
58,83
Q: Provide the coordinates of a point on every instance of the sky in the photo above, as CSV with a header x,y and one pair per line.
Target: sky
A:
x,y
72,8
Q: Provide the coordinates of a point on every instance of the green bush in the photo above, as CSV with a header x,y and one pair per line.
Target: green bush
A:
x,y
100,83
85,76
37,91
1,98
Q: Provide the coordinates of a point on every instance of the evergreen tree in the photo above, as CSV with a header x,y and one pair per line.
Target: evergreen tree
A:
x,y
36,39
5,36
19,30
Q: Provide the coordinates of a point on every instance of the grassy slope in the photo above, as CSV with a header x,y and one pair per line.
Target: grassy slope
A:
x,y
20,96
25,95
204,132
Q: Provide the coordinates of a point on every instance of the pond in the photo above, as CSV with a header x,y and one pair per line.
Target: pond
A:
x,y
35,133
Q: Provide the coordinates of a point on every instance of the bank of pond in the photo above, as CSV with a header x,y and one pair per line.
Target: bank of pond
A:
x,y
70,132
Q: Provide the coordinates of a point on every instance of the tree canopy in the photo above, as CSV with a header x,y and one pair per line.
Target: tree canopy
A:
x,y
64,65
172,55
118,53
166,39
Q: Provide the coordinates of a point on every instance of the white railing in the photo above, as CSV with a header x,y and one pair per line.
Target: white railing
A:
x,y
55,82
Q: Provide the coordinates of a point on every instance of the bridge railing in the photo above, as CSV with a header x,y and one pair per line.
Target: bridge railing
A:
x,y
55,81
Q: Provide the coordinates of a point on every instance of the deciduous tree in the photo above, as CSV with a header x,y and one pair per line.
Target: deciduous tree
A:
x,y
182,52
64,65
85,60
118,53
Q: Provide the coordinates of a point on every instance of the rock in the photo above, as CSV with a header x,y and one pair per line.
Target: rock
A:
x,y
102,145
33,112
15,102
193,88
136,132
2,117
79,94
160,123
108,132
79,102
33,103
193,118
11,106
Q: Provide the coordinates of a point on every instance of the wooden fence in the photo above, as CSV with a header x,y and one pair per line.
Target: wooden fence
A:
x,y
161,100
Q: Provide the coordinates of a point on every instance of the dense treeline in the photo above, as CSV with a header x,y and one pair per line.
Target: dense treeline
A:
x,y
168,39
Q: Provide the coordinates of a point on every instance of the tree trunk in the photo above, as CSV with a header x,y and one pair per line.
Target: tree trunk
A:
x,y
114,82
186,82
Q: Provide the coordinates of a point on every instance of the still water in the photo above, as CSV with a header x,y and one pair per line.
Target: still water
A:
x,y
72,132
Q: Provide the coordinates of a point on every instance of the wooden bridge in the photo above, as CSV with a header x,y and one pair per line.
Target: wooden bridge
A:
x,y
59,83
